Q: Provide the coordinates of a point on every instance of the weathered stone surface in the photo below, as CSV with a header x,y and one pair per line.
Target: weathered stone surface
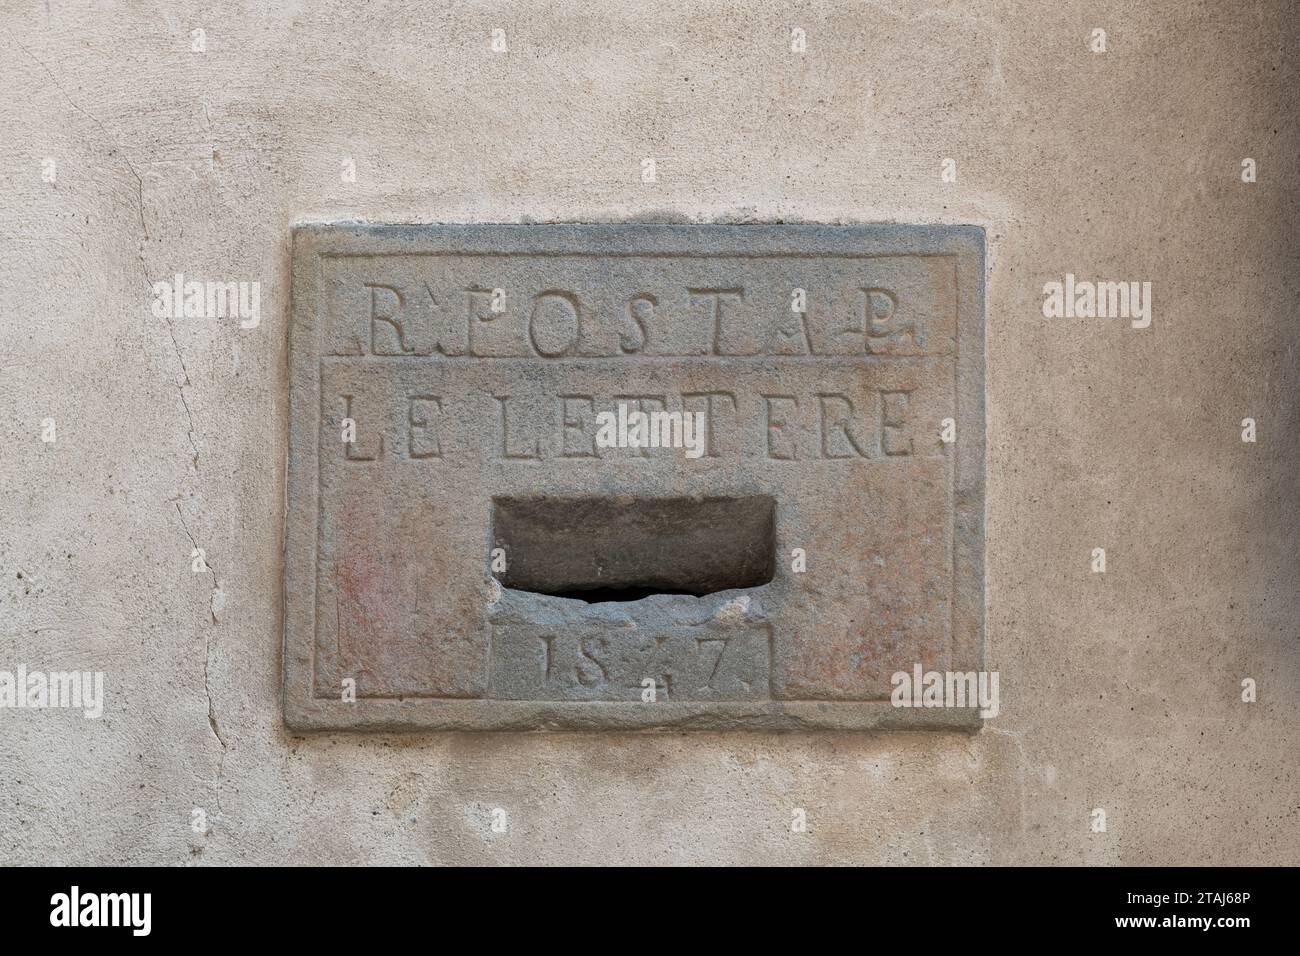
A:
x,y
473,363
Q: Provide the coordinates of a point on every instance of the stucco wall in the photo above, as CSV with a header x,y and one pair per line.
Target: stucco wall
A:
x,y
1120,690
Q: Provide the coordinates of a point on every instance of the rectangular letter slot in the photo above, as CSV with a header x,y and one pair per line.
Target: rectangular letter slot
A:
x,y
625,548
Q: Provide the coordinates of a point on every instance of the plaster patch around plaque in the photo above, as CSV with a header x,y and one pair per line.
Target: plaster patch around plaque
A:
x,y
474,365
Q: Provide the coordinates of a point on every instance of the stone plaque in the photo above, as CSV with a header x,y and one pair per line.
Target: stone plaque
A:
x,y
632,476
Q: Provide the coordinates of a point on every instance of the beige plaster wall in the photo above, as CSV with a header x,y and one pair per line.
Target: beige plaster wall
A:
x,y
1120,690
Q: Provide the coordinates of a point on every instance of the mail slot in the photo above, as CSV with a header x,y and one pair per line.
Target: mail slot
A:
x,y
625,548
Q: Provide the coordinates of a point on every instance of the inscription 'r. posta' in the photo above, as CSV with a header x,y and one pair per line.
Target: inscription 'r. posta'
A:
x,y
418,318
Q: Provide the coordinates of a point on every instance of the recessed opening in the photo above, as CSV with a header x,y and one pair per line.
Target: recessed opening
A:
x,y
625,549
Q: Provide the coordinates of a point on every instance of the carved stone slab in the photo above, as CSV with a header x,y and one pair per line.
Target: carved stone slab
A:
x,y
466,548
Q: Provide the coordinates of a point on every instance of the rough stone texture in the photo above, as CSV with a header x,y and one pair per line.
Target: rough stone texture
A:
x,y
1119,690
418,410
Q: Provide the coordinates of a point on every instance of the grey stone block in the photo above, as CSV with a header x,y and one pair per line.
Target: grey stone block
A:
x,y
477,365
